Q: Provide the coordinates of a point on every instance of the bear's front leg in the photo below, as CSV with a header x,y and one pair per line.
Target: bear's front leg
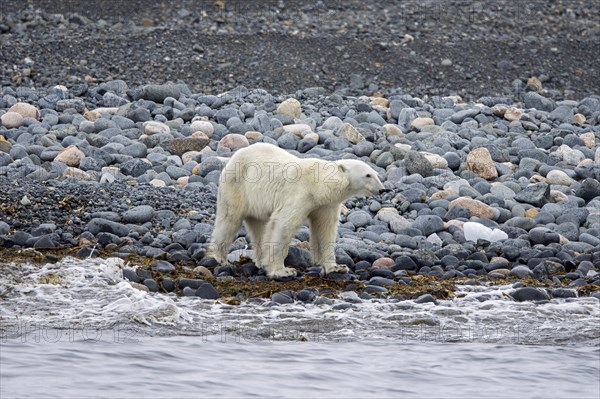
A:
x,y
277,237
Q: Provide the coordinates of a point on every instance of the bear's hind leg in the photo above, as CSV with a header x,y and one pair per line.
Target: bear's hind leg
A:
x,y
323,232
256,229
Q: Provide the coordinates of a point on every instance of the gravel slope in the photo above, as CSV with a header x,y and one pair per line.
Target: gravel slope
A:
x,y
285,46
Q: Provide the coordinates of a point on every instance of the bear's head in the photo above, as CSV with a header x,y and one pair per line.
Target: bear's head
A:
x,y
362,179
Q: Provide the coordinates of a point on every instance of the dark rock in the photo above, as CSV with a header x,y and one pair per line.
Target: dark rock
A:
x,y
564,293
589,189
98,225
190,282
529,294
534,100
415,162
168,284
158,93
207,291
130,275
281,298
535,194
151,284
428,224
307,295
139,214
426,298
404,263
163,267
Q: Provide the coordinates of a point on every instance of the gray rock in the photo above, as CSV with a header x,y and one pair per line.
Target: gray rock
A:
x,y
139,214
426,298
190,283
428,224
163,267
416,162
207,291
151,284
529,294
158,93
288,141
359,218
543,235
281,298
460,116
76,103
175,172
135,150
564,293
562,113
405,118
521,272
135,167
535,194
4,228
589,189
98,225
534,100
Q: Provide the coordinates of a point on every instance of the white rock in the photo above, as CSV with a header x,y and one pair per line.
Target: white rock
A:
x,y
26,110
435,239
437,161
290,107
77,174
456,185
236,255
297,128
350,133
11,120
204,127
569,155
474,231
597,156
589,139
398,223
513,114
154,127
158,183
558,177
107,178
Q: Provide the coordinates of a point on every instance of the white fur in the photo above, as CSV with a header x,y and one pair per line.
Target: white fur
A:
x,y
273,193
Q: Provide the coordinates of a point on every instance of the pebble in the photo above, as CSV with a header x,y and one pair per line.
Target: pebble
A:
x,y
475,207
70,156
25,110
11,120
480,162
290,107
234,141
139,214
348,132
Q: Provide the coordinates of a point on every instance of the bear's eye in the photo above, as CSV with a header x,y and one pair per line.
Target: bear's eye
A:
x,y
368,175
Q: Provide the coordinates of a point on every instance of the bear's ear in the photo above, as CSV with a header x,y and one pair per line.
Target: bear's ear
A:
x,y
342,168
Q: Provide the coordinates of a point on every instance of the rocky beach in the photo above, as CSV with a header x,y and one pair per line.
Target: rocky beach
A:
x,y
116,123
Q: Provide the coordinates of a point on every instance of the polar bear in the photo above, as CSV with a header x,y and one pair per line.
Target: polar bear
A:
x,y
273,192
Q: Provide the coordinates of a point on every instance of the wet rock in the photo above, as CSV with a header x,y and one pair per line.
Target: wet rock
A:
x,y
426,298
207,291
529,294
282,298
